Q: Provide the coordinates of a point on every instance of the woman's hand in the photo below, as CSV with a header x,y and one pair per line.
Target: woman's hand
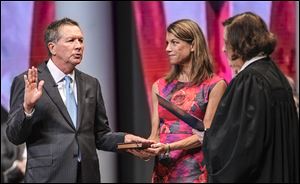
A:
x,y
158,148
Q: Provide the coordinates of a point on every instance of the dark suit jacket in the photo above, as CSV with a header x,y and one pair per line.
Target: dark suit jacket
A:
x,y
51,139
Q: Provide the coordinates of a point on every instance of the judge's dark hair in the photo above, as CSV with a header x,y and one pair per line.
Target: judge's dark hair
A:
x,y
190,32
52,31
248,36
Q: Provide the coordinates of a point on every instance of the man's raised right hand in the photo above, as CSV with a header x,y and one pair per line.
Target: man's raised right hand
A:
x,y
33,91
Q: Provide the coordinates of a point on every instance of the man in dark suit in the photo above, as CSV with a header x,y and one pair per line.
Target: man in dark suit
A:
x,y
59,113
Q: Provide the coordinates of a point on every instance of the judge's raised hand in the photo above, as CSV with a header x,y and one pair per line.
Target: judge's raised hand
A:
x,y
33,89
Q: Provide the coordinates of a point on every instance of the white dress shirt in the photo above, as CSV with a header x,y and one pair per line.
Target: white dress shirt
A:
x,y
58,77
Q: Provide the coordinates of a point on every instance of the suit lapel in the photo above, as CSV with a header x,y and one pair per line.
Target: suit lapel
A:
x,y
80,96
52,91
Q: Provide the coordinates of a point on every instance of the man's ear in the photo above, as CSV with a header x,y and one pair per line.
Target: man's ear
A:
x,y
52,48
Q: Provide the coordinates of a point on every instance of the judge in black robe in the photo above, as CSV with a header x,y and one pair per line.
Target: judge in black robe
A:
x,y
254,136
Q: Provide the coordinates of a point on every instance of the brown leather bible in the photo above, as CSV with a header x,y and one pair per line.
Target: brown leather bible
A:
x,y
133,145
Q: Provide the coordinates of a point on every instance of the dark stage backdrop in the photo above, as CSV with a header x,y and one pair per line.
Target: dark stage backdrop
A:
x,y
133,110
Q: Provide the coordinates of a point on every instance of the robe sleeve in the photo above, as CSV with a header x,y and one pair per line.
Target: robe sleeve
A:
x,y
234,143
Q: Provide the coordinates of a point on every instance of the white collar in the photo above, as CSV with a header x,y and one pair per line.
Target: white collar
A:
x,y
252,60
56,73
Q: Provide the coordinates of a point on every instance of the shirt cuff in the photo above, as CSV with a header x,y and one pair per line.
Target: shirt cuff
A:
x,y
29,115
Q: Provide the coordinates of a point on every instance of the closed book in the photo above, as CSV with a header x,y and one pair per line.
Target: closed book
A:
x,y
133,145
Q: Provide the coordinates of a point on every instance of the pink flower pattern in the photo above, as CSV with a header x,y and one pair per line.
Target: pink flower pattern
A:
x,y
184,166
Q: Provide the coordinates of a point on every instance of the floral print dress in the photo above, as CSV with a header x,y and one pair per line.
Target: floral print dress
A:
x,y
181,166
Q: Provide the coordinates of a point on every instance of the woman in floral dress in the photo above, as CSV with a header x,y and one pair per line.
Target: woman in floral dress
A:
x,y
193,87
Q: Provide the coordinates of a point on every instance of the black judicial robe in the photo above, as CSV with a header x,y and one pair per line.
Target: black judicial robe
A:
x,y
254,136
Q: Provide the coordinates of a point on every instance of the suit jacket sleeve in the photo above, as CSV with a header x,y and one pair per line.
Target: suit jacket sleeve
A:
x,y
18,126
105,139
